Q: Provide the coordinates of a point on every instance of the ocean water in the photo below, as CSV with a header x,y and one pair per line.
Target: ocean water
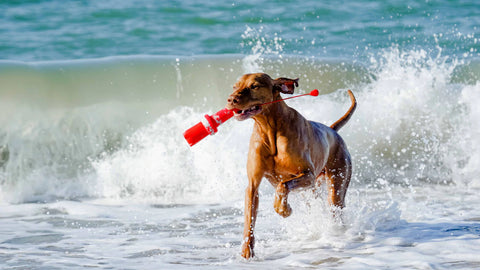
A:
x,y
95,97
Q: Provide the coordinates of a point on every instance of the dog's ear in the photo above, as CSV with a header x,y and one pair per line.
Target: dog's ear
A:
x,y
285,85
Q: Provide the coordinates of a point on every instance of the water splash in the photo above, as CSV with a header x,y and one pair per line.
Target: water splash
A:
x,y
261,45
178,72
413,126
410,115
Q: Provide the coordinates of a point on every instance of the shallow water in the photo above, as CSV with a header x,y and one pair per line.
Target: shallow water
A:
x,y
408,228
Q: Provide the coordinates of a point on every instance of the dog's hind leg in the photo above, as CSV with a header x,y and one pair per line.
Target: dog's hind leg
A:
x,y
338,179
318,184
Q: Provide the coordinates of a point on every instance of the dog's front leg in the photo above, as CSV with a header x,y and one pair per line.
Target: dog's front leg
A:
x,y
280,204
251,206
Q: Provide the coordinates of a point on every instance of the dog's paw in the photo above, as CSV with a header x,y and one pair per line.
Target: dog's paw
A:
x,y
247,251
282,207
284,210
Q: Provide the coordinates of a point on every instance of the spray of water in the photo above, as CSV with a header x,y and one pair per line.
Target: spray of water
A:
x,y
413,126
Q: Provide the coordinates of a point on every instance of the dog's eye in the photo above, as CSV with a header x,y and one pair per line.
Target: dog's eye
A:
x,y
255,86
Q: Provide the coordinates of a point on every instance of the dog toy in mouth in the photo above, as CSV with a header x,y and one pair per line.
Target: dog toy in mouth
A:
x,y
201,130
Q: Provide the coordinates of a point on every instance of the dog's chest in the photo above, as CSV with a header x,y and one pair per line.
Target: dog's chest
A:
x,y
290,159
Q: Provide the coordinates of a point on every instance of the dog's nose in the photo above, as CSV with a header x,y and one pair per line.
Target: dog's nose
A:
x,y
232,100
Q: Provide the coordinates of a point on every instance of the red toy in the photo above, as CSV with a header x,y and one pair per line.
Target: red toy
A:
x,y
200,131
196,133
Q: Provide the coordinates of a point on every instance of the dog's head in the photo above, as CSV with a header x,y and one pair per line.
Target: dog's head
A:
x,y
252,90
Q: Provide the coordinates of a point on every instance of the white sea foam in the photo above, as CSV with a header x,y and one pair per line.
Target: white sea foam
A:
x,y
158,164
412,126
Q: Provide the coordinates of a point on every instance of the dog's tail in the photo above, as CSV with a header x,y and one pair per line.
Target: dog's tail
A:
x,y
342,121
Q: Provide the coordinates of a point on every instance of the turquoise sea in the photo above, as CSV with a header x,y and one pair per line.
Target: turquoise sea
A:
x,y
95,96
58,30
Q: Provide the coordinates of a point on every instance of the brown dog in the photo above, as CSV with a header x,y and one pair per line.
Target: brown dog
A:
x,y
288,150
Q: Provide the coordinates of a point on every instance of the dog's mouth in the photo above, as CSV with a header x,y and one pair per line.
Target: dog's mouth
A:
x,y
247,113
